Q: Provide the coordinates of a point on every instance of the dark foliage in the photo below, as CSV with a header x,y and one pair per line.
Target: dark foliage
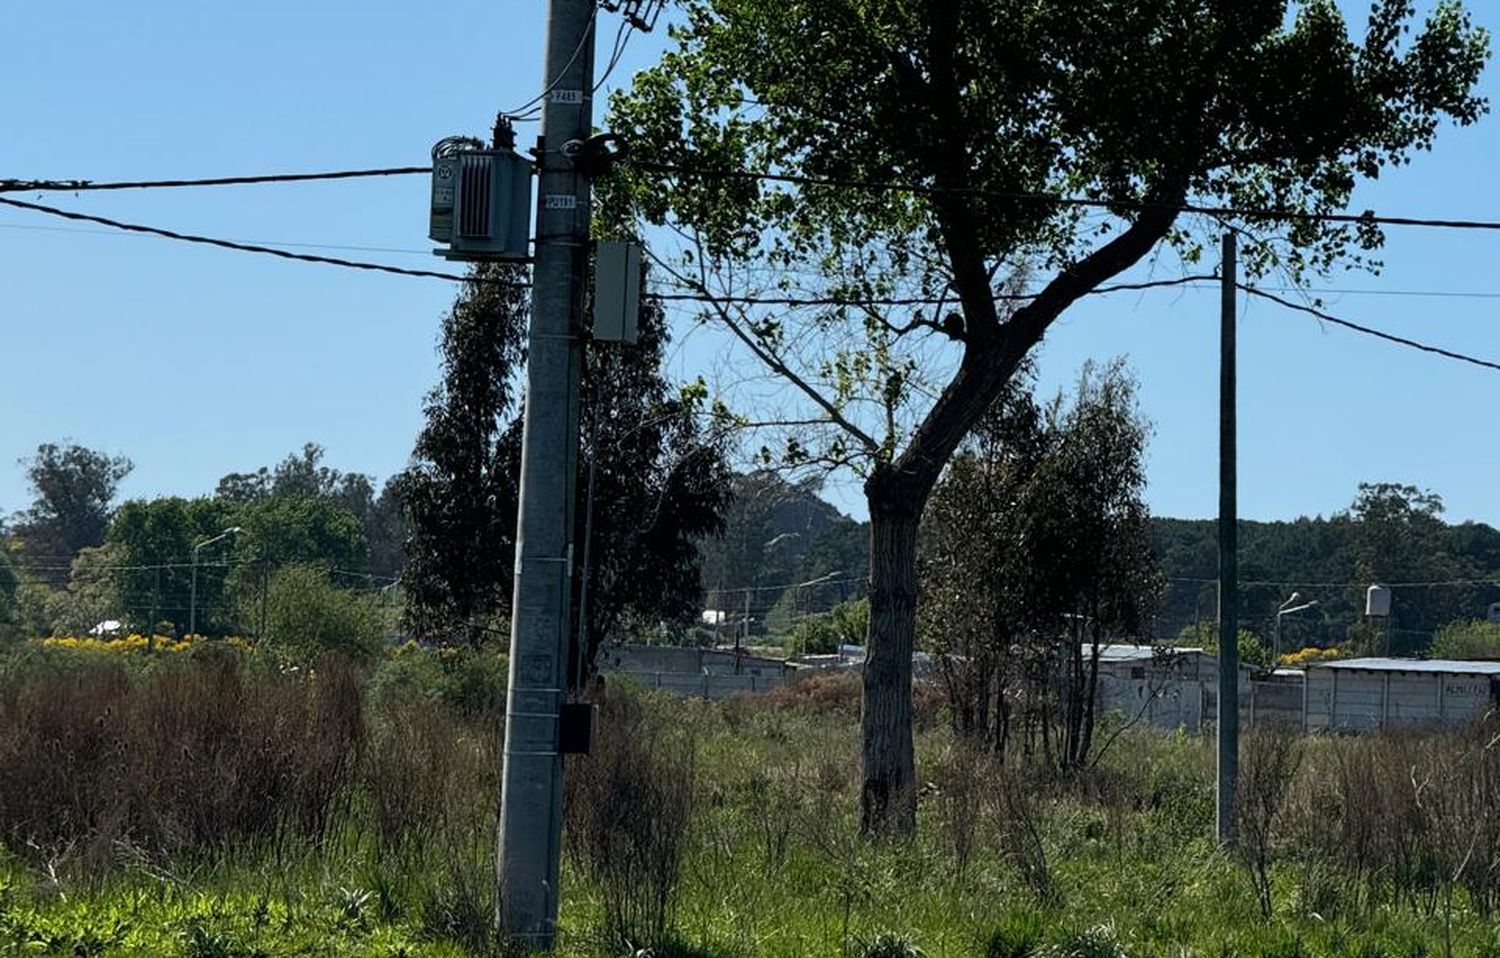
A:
x,y
460,541
75,490
659,483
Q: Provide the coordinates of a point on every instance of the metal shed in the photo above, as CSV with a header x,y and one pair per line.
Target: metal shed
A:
x,y
1376,693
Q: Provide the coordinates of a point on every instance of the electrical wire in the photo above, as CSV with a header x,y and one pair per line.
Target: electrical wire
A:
x,y
701,297
456,277
532,105
1369,217
248,247
1297,583
622,40
76,186
1203,281
402,250
1249,213
1371,331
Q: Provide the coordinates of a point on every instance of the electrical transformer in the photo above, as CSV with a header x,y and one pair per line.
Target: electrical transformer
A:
x,y
481,201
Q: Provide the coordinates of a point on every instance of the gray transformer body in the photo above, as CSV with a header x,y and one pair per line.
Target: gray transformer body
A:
x,y
481,205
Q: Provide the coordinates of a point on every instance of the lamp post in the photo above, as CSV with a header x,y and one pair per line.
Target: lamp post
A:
x,y
193,595
742,637
1287,608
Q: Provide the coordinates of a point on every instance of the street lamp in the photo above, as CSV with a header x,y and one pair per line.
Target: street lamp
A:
x,y
742,635
193,600
1287,608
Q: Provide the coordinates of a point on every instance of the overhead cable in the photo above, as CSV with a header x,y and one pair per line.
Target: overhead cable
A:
x,y
243,247
1249,213
79,186
1371,331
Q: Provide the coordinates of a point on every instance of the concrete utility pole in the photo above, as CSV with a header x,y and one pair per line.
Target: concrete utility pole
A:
x,y
1229,625
531,793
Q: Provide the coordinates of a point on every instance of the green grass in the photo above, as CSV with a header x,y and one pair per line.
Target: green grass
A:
x,y
774,869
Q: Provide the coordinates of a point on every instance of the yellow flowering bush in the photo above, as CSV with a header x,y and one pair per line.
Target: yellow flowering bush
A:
x,y
136,642
1311,654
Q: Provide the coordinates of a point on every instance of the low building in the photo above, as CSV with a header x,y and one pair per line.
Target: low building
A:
x,y
710,673
1376,693
1164,687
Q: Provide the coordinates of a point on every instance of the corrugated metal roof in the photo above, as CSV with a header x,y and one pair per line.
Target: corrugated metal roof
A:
x,y
1119,652
1458,666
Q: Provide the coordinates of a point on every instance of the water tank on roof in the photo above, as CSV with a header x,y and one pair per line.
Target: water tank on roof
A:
x,y
1378,601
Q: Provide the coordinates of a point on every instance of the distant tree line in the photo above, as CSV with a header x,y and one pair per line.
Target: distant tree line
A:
x,y
1391,534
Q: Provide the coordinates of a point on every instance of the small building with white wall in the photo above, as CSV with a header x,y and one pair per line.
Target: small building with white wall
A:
x,y
1164,687
1376,693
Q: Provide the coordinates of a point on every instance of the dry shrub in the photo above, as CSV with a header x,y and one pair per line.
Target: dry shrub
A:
x,y
430,773
628,811
191,758
838,692
1407,816
821,693
1269,757
1017,817
961,782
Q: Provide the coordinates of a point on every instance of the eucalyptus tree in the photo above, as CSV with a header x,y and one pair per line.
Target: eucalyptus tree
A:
x,y
937,150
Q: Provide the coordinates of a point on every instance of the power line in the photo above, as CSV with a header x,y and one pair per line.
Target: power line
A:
x,y
1298,583
1370,331
1249,213
257,248
246,247
532,105
1370,217
78,186
703,297
243,247
622,40
334,246
786,585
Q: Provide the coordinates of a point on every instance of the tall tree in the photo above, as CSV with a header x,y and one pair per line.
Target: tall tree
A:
x,y
659,483
91,596
980,623
75,491
151,544
460,542
303,475
970,116
1086,523
1400,536
1036,553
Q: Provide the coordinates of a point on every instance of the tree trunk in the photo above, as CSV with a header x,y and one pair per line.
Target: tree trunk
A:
x,y
888,801
1091,693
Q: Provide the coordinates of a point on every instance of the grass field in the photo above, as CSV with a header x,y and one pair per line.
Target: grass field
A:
x,y
224,806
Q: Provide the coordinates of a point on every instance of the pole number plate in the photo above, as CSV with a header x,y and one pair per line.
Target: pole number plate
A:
x,y
561,201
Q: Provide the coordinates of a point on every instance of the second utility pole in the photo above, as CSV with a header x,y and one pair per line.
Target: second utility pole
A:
x,y
531,791
1229,625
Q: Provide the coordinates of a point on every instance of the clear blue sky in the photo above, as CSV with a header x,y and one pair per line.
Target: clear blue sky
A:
x,y
196,362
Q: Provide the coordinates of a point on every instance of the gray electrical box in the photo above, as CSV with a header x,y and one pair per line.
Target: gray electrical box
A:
x,y
617,291
481,202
